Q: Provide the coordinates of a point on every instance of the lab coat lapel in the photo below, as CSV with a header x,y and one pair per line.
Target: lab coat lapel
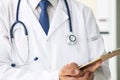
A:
x,y
31,20
60,16
28,17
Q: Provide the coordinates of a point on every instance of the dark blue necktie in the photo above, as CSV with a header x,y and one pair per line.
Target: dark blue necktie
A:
x,y
44,19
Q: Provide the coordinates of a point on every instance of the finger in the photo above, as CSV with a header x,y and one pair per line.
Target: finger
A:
x,y
85,77
73,65
93,67
70,72
69,78
91,76
96,65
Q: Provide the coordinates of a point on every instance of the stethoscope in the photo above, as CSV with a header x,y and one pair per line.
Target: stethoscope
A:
x,y
71,38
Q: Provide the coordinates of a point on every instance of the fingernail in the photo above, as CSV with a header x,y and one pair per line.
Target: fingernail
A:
x,y
76,71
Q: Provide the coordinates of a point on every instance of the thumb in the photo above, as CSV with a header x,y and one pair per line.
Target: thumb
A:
x,y
86,75
96,65
93,67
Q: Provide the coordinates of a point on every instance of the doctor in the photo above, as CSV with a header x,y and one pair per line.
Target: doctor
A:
x,y
52,49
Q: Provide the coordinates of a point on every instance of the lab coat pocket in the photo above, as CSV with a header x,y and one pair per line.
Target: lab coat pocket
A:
x,y
21,44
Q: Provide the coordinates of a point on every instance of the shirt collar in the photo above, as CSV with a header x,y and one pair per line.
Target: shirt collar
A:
x,y
34,3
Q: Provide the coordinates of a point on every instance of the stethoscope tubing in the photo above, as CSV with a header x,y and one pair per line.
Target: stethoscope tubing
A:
x,y
68,12
17,22
12,28
17,11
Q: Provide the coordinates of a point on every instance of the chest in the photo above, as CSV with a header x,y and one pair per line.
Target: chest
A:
x,y
52,49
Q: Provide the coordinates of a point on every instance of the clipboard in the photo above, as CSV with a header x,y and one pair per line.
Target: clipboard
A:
x,y
102,58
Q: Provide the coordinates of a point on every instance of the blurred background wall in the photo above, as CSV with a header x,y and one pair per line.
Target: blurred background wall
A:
x,y
118,37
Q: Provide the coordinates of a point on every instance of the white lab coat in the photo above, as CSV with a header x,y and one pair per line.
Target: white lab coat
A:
x,y
52,50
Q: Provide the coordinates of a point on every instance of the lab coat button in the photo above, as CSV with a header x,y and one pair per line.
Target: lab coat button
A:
x,y
36,58
13,65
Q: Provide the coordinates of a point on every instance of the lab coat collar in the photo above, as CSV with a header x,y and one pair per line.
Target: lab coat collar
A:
x,y
34,3
54,3
59,18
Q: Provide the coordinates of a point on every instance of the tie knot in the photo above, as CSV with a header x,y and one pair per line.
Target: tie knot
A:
x,y
44,4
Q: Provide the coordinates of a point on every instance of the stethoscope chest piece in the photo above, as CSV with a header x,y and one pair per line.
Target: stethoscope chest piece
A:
x,y
71,39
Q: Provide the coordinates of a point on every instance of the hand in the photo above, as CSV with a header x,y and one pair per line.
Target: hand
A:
x,y
72,72
93,67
